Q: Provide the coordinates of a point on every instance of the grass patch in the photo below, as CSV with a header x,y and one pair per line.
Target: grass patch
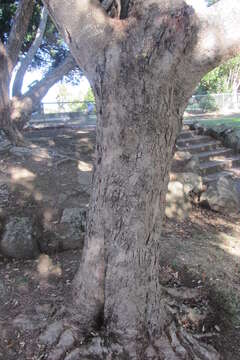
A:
x,y
230,122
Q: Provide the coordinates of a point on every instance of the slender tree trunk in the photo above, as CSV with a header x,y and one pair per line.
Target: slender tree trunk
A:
x,y
26,61
5,105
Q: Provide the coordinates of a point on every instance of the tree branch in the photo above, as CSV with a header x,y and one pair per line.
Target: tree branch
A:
x,y
17,85
31,99
19,29
85,27
219,35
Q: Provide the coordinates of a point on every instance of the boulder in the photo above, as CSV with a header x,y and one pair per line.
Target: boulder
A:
x,y
182,156
72,228
193,164
192,183
232,139
177,203
84,180
19,239
5,144
217,132
223,196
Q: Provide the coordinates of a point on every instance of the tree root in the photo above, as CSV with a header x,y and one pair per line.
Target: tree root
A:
x,y
63,341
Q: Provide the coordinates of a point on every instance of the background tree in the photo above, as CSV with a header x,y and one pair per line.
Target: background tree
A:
x,y
28,39
143,64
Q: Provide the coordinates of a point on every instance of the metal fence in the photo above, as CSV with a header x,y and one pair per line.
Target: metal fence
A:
x,y
198,104
214,102
82,107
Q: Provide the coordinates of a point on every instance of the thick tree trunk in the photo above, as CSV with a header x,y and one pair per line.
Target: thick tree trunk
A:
x,y
118,281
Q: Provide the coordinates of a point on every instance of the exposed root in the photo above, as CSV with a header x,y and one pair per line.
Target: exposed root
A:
x,y
63,341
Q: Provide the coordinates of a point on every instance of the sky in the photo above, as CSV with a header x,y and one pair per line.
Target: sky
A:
x,y
36,75
84,85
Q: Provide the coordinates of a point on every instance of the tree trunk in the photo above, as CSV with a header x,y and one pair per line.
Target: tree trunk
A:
x,y
5,107
143,71
118,281
26,61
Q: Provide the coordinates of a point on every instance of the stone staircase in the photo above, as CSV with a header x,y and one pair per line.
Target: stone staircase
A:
x,y
215,159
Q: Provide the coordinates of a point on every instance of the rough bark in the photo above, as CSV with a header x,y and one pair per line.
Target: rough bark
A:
x,y
143,70
18,31
5,105
26,61
23,106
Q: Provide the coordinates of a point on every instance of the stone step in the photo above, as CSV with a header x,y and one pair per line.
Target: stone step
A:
x,y
209,179
196,139
215,154
202,147
186,134
210,167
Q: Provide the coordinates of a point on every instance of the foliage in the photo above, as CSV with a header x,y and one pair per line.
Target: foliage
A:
x,y
224,78
52,51
73,104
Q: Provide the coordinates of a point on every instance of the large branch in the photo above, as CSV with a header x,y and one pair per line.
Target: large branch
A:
x,y
19,29
219,35
84,25
28,102
17,85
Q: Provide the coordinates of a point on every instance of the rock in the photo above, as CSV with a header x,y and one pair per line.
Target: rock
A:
x,y
52,333
84,180
177,204
74,355
218,132
223,196
4,195
193,164
19,239
192,183
72,228
232,139
21,151
65,344
182,156
5,144
26,323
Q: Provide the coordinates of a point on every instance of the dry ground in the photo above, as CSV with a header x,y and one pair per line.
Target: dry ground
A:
x,y
203,251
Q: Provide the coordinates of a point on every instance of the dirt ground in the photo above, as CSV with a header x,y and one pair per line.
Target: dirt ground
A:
x,y
202,251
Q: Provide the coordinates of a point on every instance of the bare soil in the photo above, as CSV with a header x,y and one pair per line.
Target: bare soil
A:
x,y
202,251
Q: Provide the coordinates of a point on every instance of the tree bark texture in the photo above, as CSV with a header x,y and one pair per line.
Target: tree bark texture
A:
x,y
143,69
26,61
5,103
18,30
140,102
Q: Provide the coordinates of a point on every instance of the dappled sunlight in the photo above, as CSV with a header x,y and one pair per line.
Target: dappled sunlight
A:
x,y
46,268
229,244
83,166
48,215
82,132
37,195
19,174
